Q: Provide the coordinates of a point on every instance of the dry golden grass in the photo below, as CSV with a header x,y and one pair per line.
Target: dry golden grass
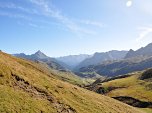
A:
x,y
26,88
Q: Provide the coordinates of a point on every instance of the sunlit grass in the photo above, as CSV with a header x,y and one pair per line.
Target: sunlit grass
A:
x,y
15,98
130,86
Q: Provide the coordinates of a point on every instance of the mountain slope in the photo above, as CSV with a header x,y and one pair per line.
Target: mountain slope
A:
x,y
144,51
134,88
65,75
133,61
39,56
99,58
53,66
124,66
24,88
120,67
73,60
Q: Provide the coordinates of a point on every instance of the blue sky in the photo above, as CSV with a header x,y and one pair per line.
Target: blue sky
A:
x,y
68,27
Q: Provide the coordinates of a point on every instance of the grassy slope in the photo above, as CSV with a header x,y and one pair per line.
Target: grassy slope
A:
x,y
26,88
65,75
72,78
132,87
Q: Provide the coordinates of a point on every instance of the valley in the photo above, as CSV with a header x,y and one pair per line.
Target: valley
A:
x,y
26,87
120,77
134,89
75,56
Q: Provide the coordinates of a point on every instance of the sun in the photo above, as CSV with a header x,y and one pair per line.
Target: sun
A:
x,y
129,3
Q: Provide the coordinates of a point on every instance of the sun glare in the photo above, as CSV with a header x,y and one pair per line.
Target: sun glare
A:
x,y
129,3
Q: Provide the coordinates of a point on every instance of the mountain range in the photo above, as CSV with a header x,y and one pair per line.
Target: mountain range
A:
x,y
144,51
73,60
109,63
133,61
99,58
39,56
29,87
52,83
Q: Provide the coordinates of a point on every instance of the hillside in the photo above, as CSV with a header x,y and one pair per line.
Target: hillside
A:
x,y
65,75
134,88
25,87
50,65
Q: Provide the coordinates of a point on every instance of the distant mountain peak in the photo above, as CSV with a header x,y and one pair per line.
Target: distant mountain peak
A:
x,y
131,50
39,51
143,51
102,57
150,44
22,54
40,54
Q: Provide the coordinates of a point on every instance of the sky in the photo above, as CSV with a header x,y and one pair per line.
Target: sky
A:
x,y
71,27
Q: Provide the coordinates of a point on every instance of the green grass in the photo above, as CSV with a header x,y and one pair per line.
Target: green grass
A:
x,y
26,87
132,87
12,101
72,78
64,76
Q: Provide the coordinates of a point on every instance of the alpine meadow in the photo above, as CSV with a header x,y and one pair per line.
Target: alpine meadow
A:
x,y
82,56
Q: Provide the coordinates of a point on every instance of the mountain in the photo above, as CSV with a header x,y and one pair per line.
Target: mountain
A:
x,y
133,61
134,88
39,56
119,67
73,60
110,63
99,58
49,65
144,51
26,87
124,66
